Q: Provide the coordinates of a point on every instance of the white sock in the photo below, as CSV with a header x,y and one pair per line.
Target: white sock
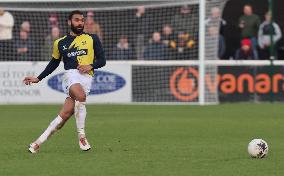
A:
x,y
80,116
50,130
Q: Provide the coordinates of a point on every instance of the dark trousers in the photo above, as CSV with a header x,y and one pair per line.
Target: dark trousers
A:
x,y
264,54
7,51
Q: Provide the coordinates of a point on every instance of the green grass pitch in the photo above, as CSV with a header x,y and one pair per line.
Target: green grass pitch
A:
x,y
140,140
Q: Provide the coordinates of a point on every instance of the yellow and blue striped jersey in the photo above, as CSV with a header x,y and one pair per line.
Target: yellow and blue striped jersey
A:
x,y
83,49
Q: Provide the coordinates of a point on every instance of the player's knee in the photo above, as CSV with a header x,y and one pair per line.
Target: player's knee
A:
x,y
70,113
81,98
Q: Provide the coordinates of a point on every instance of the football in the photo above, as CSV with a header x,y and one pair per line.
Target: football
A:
x,y
258,148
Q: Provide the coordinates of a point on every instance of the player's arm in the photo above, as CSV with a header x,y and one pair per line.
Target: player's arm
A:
x,y
99,60
52,65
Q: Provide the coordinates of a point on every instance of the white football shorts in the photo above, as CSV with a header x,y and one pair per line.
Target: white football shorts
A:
x,y
73,76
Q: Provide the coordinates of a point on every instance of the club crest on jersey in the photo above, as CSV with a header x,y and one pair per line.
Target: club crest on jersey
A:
x,y
77,53
64,47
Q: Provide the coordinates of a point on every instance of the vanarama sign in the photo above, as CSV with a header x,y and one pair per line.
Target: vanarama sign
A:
x,y
184,84
236,81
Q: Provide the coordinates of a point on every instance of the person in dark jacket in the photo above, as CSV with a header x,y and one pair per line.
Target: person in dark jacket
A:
x,y
264,32
24,46
140,30
123,50
155,50
249,24
246,51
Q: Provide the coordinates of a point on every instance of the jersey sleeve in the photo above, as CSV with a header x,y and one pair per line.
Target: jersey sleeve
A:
x,y
99,60
52,65
56,53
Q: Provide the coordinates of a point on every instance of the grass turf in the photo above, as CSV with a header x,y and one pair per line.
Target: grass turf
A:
x,y
138,140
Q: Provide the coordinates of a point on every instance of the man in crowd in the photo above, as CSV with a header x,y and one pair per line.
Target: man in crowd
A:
x,y
266,30
6,34
249,24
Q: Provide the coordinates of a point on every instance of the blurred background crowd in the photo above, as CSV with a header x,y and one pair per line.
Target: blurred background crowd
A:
x,y
168,33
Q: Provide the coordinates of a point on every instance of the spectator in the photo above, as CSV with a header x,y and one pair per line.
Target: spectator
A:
x,y
6,34
156,50
25,26
186,21
53,21
123,50
211,36
216,20
92,27
264,32
246,52
167,38
140,30
48,43
23,46
249,24
167,34
184,48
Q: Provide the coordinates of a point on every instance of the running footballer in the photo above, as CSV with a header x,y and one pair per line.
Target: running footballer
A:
x,y
81,53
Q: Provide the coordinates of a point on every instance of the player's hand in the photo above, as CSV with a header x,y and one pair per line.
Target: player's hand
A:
x,y
84,68
28,80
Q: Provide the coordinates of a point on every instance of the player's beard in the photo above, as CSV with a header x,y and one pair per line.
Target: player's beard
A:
x,y
77,30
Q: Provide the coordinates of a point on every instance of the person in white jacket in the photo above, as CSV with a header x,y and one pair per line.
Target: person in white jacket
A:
x,y
264,32
6,33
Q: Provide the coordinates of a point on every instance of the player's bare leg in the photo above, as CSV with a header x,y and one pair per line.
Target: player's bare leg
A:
x,y
65,113
77,92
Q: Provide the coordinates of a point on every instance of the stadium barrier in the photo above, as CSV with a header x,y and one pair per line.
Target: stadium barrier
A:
x,y
149,82
111,84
